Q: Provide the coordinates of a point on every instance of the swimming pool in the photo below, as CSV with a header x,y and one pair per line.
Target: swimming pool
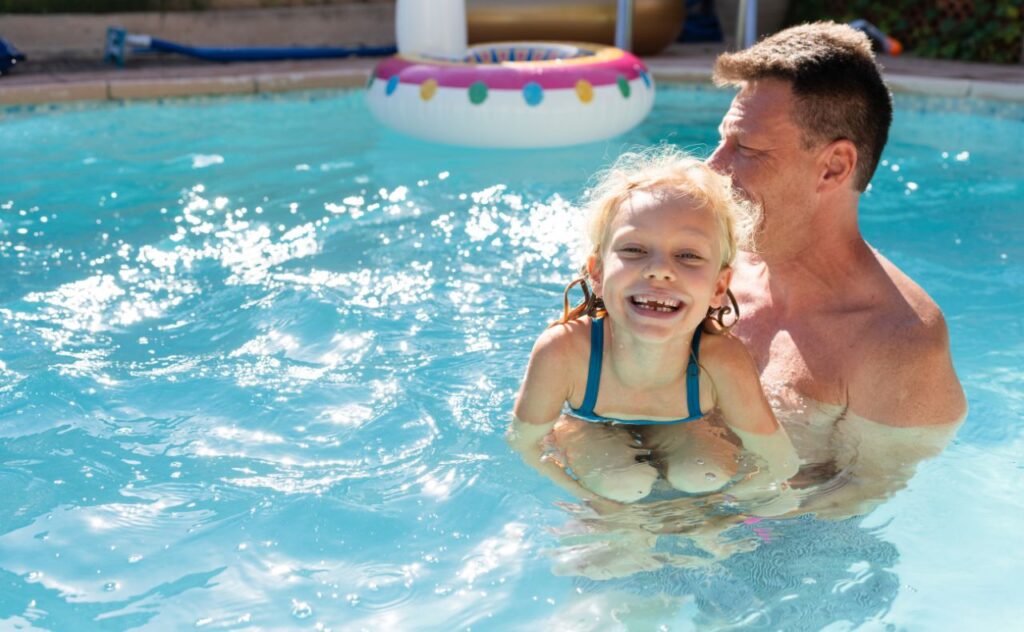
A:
x,y
257,356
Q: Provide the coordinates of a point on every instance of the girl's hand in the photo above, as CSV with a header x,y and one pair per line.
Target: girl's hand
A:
x,y
605,507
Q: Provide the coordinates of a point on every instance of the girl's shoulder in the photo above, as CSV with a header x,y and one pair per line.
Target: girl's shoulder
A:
x,y
565,340
733,375
724,354
559,360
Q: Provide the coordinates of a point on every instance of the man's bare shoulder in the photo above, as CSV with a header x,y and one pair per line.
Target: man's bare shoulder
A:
x,y
905,317
907,376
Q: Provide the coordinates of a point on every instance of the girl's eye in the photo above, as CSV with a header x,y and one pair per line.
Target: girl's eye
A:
x,y
632,250
690,256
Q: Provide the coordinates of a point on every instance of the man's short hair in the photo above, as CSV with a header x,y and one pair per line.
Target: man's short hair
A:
x,y
836,82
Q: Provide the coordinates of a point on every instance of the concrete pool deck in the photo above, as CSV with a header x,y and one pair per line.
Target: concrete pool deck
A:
x,y
164,77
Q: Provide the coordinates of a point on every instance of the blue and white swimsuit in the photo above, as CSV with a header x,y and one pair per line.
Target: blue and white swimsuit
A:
x,y
586,410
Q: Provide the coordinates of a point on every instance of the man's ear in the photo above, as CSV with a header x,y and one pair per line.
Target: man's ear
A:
x,y
594,271
721,287
839,164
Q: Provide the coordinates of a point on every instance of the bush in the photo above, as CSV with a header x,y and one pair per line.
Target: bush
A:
x,y
972,30
98,6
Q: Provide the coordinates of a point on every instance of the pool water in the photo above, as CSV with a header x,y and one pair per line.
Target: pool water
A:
x,y
257,356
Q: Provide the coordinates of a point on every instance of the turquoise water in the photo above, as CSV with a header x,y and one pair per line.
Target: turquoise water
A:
x,y
257,356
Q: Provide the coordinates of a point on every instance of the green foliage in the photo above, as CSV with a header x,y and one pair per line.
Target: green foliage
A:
x,y
98,6
972,30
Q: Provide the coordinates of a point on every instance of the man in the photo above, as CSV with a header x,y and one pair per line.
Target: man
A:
x,y
850,349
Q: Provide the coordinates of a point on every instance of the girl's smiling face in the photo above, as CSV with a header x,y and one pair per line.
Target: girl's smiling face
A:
x,y
660,267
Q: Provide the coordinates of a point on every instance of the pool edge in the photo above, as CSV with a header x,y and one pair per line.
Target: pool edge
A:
x,y
273,82
159,88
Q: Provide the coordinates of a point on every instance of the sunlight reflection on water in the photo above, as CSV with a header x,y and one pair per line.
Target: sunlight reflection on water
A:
x,y
257,375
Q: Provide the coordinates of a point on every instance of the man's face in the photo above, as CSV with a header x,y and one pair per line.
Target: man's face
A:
x,y
761,149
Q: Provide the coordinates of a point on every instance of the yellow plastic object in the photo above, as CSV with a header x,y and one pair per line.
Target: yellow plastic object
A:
x,y
656,23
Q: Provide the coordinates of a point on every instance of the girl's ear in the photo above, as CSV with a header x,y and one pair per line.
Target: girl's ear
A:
x,y
594,272
721,287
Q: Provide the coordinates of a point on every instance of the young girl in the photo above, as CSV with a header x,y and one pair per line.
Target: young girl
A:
x,y
645,364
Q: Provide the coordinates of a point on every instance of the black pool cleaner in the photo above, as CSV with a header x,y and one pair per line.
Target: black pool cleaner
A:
x,y
9,56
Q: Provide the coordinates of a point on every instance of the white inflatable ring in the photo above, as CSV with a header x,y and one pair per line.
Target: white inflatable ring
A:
x,y
514,94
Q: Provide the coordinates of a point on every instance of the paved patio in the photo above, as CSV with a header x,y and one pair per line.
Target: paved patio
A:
x,y
170,76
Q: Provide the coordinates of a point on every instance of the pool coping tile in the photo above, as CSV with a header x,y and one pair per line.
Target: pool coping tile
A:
x,y
315,80
932,86
162,88
35,94
674,73
997,90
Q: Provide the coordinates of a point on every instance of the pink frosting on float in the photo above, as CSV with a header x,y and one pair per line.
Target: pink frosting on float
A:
x,y
513,76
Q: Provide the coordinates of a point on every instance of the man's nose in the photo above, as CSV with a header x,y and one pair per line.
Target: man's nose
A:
x,y
721,159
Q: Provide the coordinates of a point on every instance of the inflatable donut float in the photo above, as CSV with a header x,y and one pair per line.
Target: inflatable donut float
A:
x,y
514,94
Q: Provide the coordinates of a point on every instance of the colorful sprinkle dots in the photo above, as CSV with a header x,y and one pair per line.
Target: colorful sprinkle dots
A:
x,y
646,77
392,85
623,86
477,93
369,83
428,89
533,94
584,91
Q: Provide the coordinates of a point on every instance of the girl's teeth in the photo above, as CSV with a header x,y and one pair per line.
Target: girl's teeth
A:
x,y
666,305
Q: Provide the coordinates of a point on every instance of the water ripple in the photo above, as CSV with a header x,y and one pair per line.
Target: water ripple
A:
x,y
258,355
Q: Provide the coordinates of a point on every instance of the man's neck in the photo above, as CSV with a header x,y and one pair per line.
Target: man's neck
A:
x,y
826,257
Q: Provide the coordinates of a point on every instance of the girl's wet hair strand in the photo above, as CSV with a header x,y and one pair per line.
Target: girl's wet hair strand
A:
x,y
591,305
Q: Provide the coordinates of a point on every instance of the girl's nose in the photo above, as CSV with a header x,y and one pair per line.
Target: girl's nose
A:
x,y
658,268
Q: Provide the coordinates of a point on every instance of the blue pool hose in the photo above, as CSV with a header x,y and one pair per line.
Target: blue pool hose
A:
x,y
117,38
268,54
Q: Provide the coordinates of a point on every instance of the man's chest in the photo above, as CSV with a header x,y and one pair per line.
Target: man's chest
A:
x,y
799,359
804,373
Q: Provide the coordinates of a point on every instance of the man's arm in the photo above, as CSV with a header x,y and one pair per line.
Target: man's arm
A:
x,y
874,461
907,379
903,409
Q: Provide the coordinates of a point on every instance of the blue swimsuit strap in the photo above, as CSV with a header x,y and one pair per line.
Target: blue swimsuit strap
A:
x,y
586,410
594,372
693,377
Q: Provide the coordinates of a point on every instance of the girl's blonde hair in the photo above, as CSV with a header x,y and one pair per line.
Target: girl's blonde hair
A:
x,y
671,172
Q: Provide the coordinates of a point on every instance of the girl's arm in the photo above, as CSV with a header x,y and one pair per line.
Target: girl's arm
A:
x,y
546,388
745,408
547,384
